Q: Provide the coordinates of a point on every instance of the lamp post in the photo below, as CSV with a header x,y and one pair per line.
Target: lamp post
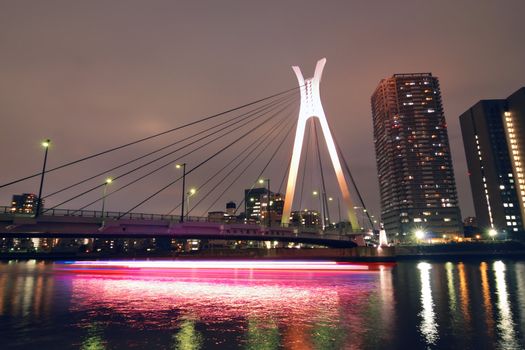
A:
x,y
362,217
321,208
493,233
330,199
261,181
46,143
106,183
190,193
326,209
183,166
374,221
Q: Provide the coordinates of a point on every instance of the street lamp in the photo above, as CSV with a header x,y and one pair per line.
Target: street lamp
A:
x,y
106,183
190,193
321,211
46,143
361,216
183,166
338,207
420,234
493,233
261,181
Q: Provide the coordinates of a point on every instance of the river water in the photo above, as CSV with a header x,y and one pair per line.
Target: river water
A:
x,y
412,305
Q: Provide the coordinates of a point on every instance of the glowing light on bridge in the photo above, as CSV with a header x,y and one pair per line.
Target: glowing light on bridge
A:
x,y
311,107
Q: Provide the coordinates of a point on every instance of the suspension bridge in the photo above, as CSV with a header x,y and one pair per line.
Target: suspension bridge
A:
x,y
220,153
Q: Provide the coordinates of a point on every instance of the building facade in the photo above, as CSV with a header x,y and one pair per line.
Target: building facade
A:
x,y
416,177
256,202
493,132
307,218
25,203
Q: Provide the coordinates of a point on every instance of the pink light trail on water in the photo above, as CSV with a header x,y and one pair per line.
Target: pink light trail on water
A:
x,y
228,265
289,300
216,294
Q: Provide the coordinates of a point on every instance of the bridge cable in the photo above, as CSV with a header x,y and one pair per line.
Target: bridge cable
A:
x,y
284,176
246,168
158,168
289,161
325,211
241,117
270,160
230,122
347,168
199,165
305,162
282,180
251,148
149,137
171,162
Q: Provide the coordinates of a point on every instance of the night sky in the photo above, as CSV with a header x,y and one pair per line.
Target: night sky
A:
x,y
95,74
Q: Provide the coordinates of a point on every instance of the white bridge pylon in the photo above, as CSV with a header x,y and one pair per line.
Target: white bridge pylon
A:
x,y
311,107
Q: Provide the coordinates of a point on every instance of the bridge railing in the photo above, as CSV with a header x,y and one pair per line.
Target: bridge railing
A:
x,y
7,211
99,214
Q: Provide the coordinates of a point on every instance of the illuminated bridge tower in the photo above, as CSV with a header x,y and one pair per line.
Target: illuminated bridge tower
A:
x,y
311,107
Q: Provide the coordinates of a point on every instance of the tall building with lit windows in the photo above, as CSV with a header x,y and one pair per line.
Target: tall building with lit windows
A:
x,y
256,202
416,178
493,137
25,203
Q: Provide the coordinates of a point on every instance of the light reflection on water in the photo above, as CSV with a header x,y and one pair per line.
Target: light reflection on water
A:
x,y
302,309
506,325
428,327
437,305
487,302
207,298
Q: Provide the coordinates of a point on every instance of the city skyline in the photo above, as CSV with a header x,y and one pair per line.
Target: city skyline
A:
x,y
92,87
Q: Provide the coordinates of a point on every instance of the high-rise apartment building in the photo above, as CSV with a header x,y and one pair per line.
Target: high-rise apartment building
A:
x,y
256,202
416,178
493,137
25,203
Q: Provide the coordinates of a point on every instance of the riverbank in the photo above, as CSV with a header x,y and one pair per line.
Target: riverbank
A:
x,y
453,251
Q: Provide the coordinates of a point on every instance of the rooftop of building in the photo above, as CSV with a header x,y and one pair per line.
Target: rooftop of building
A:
x,y
411,75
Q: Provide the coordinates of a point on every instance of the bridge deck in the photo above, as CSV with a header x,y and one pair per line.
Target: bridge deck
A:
x,y
70,223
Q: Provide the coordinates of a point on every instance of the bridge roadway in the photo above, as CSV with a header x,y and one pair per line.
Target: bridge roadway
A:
x,y
63,223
